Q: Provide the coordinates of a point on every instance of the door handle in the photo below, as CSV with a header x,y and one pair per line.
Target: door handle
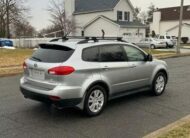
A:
x,y
132,66
105,68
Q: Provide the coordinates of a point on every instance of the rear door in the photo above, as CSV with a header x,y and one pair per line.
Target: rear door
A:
x,y
147,43
142,43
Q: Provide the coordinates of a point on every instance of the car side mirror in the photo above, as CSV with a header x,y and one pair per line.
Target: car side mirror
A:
x,y
149,57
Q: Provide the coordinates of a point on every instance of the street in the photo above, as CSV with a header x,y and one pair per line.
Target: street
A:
x,y
131,117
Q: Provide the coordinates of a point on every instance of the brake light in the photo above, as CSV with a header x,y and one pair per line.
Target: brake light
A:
x,y
24,65
54,98
61,70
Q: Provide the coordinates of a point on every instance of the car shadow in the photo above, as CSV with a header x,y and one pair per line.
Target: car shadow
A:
x,y
41,109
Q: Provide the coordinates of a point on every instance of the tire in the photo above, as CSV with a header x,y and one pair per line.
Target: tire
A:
x,y
153,47
93,107
159,84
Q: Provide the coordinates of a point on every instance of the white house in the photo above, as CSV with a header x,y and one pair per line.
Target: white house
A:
x,y
166,21
114,17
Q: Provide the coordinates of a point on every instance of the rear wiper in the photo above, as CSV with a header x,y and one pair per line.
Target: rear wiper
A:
x,y
35,58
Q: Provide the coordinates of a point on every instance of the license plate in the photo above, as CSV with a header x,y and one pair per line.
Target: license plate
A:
x,y
37,74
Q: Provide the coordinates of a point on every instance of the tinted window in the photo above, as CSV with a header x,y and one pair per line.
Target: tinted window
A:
x,y
161,37
91,54
134,54
168,37
112,54
52,54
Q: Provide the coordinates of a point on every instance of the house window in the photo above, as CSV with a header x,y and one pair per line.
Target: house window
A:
x,y
119,15
188,9
127,16
82,33
127,34
139,34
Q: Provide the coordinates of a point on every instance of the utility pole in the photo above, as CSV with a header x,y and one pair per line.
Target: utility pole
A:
x,y
180,28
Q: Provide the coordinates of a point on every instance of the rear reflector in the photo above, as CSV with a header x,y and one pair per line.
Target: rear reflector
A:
x,y
54,98
61,70
24,65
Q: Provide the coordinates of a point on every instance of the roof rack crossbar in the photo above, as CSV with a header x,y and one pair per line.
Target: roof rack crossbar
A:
x,y
86,39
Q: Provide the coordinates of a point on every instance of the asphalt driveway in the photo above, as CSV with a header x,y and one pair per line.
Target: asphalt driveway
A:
x,y
132,116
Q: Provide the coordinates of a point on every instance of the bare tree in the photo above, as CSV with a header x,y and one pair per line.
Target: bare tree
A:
x,y
11,12
143,16
59,19
151,10
136,14
2,19
24,29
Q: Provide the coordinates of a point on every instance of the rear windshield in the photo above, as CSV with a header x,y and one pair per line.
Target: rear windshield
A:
x,y
52,54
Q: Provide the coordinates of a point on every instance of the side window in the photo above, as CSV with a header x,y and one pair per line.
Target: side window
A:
x,y
91,54
119,15
127,16
112,54
161,37
134,54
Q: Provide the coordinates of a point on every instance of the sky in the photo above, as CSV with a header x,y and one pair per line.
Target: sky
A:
x,y
40,17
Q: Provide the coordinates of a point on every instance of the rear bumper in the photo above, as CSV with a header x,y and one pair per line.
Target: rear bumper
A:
x,y
46,99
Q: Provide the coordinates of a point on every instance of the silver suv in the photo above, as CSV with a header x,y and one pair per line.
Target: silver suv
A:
x,y
89,72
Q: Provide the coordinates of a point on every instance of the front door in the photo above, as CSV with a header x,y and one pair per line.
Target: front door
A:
x,y
141,69
115,68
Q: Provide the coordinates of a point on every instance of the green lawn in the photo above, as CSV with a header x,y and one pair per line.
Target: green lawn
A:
x,y
13,57
180,132
11,60
154,51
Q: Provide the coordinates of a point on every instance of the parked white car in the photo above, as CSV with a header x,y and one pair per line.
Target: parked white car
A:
x,y
151,43
170,42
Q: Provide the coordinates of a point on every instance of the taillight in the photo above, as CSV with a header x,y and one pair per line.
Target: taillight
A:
x,y
61,70
54,98
24,65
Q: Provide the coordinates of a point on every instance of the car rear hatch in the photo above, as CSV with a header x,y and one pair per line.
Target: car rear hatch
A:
x,y
38,68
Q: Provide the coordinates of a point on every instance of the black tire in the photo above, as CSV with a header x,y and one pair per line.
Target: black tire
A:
x,y
87,109
153,47
167,46
154,89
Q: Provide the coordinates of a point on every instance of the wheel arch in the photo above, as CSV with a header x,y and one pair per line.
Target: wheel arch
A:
x,y
163,70
100,83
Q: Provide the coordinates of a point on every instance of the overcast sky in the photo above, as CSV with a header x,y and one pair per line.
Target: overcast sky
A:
x,y
40,18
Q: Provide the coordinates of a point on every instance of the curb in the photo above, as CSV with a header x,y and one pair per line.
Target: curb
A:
x,y
165,56
9,75
168,128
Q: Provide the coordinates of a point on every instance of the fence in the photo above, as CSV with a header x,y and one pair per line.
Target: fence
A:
x,y
33,42
29,42
133,39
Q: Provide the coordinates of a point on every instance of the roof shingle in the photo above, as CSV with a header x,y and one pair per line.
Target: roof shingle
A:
x,y
83,6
